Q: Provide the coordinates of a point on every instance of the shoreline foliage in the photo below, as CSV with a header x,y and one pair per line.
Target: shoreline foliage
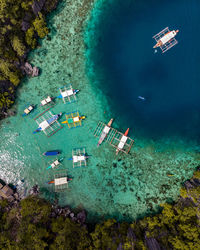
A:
x,y
32,224
22,22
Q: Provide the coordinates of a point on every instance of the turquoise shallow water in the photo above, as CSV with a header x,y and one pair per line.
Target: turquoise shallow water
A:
x,y
123,187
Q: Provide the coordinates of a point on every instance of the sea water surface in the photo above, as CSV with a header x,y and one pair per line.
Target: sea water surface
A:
x,y
123,186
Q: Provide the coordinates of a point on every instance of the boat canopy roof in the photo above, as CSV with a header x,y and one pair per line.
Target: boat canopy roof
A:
x,y
77,158
168,37
44,125
106,129
76,119
55,163
122,142
67,93
60,181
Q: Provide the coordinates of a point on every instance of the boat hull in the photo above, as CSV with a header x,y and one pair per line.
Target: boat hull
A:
x,y
49,153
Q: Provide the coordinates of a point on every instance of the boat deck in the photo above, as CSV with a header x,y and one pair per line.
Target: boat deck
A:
x,y
51,129
167,45
60,181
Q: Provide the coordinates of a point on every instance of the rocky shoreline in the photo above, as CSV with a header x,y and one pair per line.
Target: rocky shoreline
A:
x,y
66,211
28,25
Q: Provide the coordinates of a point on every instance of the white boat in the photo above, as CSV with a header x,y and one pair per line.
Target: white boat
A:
x,y
46,101
122,142
105,132
165,39
28,110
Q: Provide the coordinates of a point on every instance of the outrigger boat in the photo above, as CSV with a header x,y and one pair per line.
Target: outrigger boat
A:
x,y
73,119
67,93
46,123
50,153
105,132
122,142
165,39
46,101
64,180
79,157
55,163
28,110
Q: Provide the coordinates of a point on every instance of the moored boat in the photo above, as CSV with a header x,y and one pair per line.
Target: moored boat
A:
x,y
105,132
55,163
68,93
122,141
53,181
46,123
50,153
46,101
28,110
166,38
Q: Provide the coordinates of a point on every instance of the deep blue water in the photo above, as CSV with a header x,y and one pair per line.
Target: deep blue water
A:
x,y
170,82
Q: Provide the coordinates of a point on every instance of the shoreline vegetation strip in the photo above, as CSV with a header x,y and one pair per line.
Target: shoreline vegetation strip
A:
x,y
34,223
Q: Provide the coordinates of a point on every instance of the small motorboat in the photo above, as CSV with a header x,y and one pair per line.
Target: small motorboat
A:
x,y
50,153
122,141
141,98
105,132
28,110
46,101
55,163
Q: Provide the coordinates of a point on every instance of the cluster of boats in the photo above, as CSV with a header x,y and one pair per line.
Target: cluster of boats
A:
x,y
121,140
47,121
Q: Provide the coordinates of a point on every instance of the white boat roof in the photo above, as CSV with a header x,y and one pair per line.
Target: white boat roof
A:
x,y
67,93
48,99
106,129
43,125
121,145
77,158
60,181
30,108
43,102
26,111
55,163
124,138
76,119
168,37
122,142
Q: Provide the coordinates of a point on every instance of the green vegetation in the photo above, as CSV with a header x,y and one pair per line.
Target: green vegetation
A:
x,y
20,28
32,224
